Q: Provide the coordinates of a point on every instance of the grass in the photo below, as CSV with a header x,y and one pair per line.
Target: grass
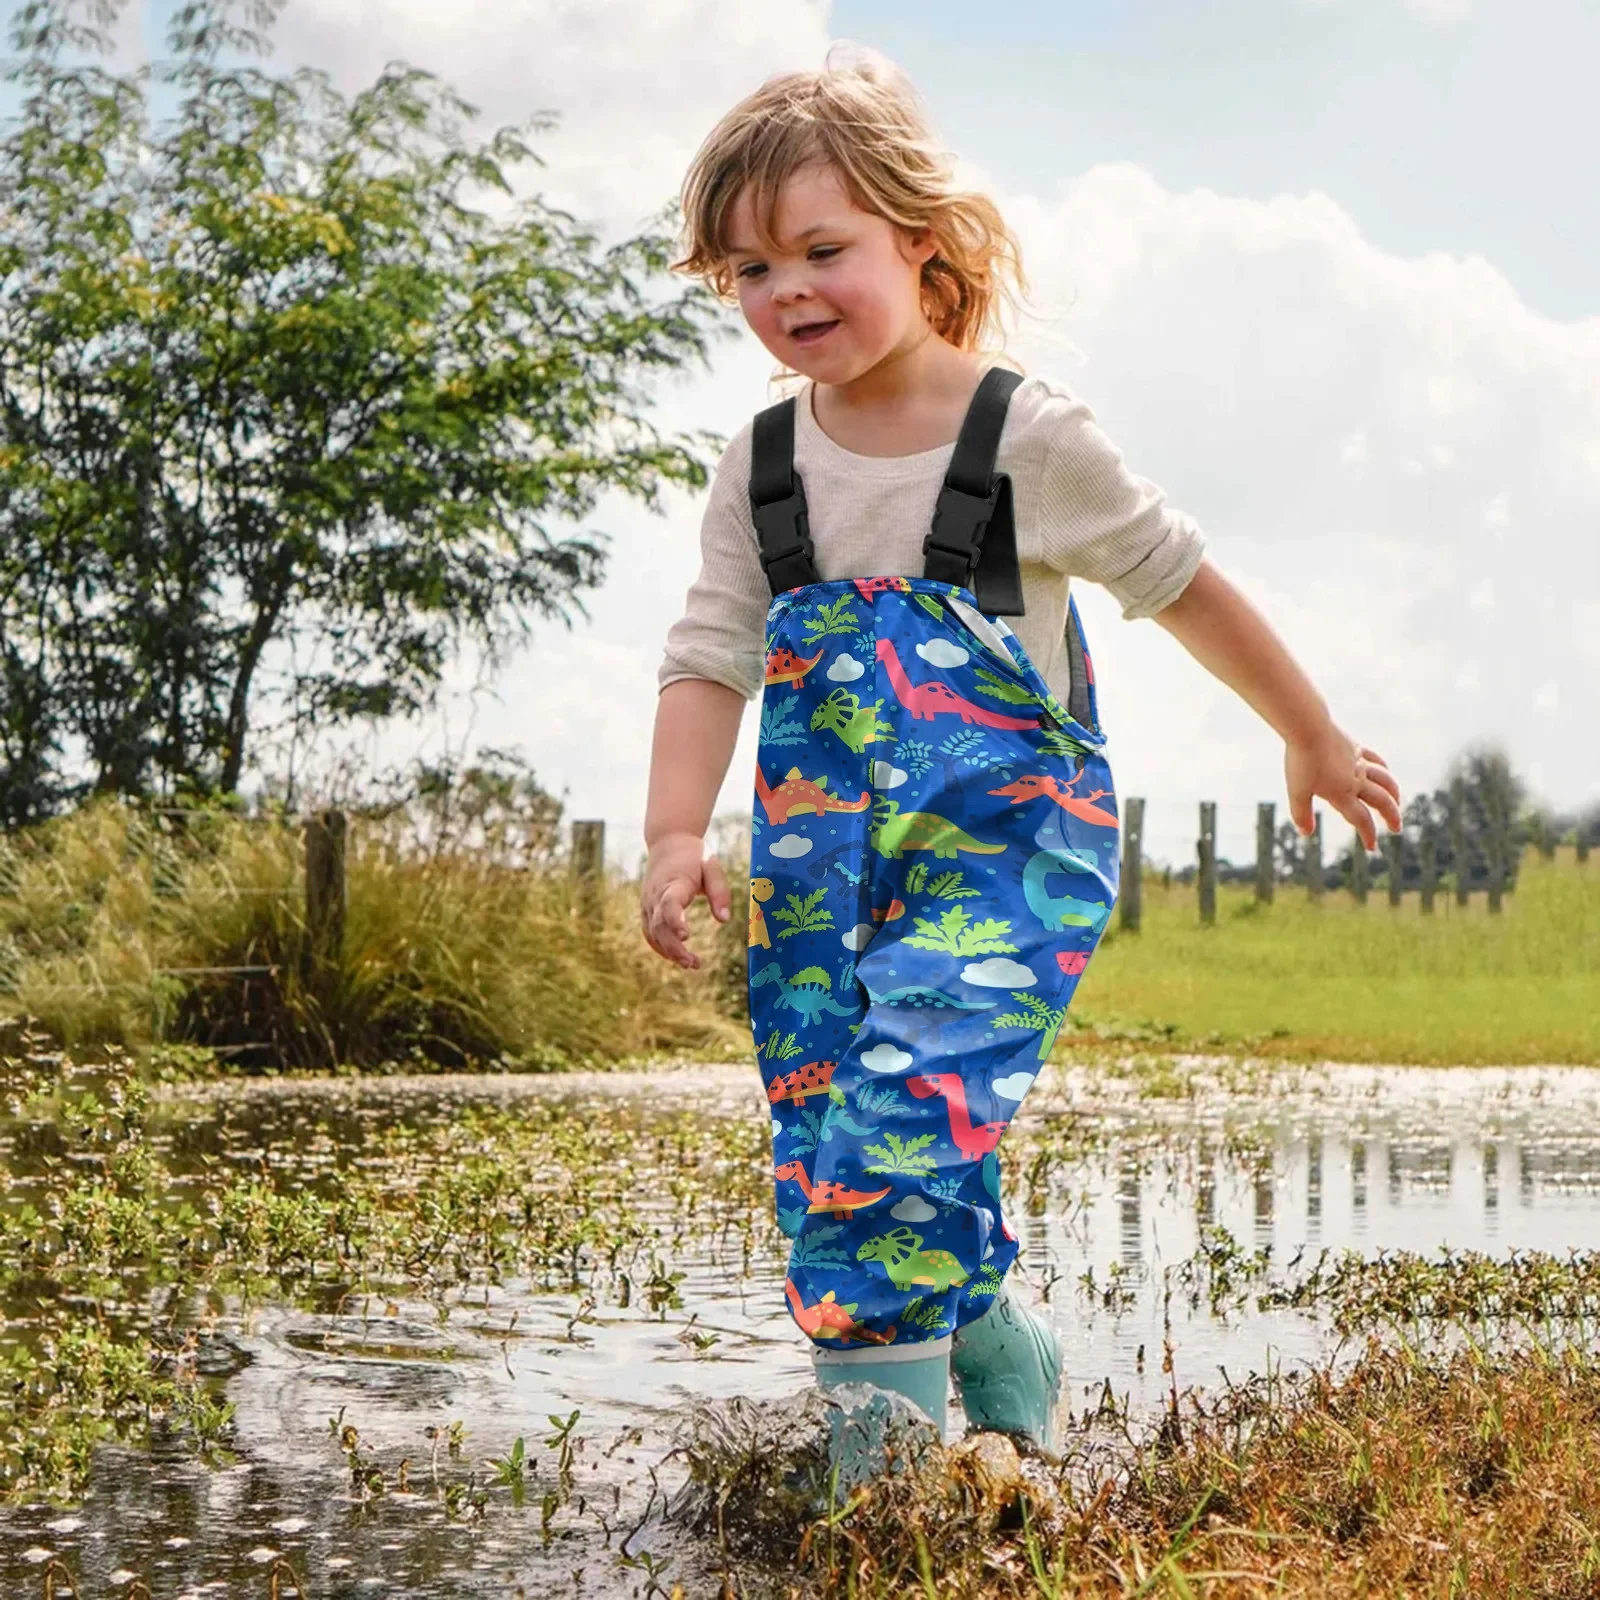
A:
x,y
1340,981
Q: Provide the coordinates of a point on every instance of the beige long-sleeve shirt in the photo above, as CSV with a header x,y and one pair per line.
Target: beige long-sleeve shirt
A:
x,y
1079,513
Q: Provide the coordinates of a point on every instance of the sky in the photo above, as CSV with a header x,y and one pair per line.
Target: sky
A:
x,y
1323,269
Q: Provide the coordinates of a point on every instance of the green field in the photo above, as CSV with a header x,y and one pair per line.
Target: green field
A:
x,y
1342,981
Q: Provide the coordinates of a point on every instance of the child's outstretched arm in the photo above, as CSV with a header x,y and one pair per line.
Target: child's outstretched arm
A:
x,y
1225,633
697,725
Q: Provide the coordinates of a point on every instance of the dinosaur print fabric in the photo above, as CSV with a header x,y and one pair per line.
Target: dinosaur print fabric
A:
x,y
934,856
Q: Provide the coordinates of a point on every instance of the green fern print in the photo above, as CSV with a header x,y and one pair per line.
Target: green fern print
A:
x,y
922,1316
901,1155
1058,742
780,1046
1035,1015
835,618
951,886
957,934
916,877
1012,693
987,1282
803,916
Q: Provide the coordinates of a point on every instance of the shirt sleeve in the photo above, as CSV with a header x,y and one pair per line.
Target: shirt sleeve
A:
x,y
1097,520
721,632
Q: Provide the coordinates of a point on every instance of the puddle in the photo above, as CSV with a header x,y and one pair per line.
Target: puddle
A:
x,y
1123,1192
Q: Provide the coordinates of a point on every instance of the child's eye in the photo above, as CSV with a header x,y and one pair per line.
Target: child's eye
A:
x,y
821,252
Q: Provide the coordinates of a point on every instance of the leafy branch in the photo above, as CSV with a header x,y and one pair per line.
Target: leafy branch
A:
x,y
956,934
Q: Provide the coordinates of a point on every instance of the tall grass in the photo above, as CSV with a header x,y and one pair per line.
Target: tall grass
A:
x,y
448,957
1364,982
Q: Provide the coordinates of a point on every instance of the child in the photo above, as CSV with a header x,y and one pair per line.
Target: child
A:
x,y
935,845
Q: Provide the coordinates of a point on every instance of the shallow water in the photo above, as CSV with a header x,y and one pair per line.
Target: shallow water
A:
x,y
1288,1162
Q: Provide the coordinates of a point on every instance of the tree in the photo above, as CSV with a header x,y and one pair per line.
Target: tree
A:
x,y
271,382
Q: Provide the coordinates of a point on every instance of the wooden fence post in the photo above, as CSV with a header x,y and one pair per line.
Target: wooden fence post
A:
x,y
588,869
1207,846
1458,838
1266,834
1428,851
1394,848
1130,889
1582,838
1314,858
1359,876
325,887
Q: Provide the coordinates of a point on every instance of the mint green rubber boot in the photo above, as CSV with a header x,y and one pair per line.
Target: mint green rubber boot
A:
x,y
1007,1370
870,1422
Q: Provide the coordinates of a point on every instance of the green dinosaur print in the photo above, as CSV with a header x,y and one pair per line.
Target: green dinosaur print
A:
x,y
857,725
903,1258
892,834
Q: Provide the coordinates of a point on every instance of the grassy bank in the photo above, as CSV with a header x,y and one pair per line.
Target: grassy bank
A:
x,y
113,931
1340,981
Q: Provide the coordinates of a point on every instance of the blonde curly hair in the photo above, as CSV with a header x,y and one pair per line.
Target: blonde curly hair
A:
x,y
865,119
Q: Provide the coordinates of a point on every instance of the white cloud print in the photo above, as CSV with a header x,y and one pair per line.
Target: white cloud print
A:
x,y
1014,1086
886,776
845,669
913,1209
998,973
856,938
790,846
885,1058
941,653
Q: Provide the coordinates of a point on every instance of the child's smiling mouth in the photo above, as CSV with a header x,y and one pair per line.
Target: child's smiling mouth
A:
x,y
812,332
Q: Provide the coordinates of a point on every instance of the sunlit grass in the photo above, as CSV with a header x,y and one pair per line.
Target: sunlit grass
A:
x,y
1343,981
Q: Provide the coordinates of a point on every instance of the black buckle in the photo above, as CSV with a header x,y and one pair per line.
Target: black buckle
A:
x,y
959,519
785,529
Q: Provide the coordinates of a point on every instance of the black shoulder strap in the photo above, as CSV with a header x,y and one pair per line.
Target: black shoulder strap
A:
x,y
778,501
973,540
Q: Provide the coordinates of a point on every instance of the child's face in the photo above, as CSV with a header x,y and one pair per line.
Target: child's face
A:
x,y
838,265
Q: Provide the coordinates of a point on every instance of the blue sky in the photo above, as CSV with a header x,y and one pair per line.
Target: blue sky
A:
x,y
1475,136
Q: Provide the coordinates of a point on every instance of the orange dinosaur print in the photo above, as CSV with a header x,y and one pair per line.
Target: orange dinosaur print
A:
x,y
784,666
801,794
827,1319
814,1077
1031,785
827,1195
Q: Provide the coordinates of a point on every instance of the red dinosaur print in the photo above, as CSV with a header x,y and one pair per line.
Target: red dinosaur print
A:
x,y
929,700
973,1141
813,1078
872,586
784,666
801,794
828,1195
1031,785
827,1319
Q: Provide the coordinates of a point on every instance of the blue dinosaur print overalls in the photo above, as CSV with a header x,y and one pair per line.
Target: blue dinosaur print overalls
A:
x,y
934,856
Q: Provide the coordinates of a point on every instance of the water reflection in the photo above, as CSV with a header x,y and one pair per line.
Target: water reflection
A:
x,y
1283,1165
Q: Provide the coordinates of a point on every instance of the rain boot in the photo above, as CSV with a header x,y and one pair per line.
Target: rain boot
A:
x,y
866,1424
1007,1370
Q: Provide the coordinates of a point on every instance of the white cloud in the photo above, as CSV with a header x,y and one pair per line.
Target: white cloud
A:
x,y
913,1209
856,938
941,653
887,776
791,846
1014,1086
845,669
885,1057
998,973
1442,11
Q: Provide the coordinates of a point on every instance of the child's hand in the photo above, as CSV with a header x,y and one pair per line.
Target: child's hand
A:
x,y
677,871
1345,774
